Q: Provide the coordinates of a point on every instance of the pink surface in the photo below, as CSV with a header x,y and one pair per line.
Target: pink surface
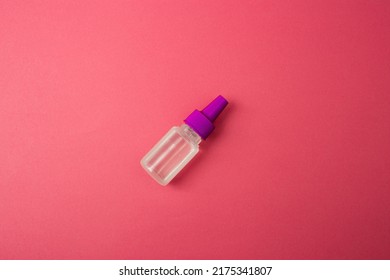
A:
x,y
299,164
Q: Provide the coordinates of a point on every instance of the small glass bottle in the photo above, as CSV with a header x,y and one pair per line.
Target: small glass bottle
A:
x,y
165,160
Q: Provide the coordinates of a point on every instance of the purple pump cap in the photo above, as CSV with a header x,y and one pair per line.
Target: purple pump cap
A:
x,y
202,121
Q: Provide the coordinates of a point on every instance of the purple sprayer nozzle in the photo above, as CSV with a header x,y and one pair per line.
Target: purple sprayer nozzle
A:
x,y
202,121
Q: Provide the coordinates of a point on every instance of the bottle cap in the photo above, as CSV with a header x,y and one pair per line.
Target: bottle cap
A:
x,y
202,121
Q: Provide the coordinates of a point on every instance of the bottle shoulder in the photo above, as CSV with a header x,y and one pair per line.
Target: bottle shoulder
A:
x,y
189,134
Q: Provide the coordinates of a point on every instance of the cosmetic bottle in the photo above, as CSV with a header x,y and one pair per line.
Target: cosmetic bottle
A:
x,y
181,143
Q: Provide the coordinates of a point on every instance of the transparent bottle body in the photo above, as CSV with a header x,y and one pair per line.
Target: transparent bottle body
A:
x,y
169,156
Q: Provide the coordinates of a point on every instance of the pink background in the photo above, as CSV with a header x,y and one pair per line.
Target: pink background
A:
x,y
299,164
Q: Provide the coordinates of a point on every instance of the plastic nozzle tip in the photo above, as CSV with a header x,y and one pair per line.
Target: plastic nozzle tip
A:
x,y
215,108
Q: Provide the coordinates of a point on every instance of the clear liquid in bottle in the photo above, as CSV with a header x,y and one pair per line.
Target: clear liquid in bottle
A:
x,y
171,154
